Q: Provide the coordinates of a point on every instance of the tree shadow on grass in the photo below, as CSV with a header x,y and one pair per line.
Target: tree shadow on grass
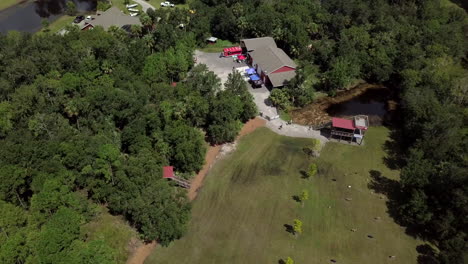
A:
x,y
392,190
395,154
281,261
289,228
427,254
304,174
296,198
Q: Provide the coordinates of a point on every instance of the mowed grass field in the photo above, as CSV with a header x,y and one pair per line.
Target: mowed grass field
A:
x,y
241,211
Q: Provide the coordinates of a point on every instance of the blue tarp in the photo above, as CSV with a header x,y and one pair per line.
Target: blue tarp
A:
x,y
254,77
250,71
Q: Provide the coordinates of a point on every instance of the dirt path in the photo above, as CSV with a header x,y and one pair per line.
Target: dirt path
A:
x,y
213,152
196,182
142,252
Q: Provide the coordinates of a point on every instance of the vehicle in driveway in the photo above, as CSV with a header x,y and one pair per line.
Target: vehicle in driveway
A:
x,y
255,81
232,51
78,19
167,3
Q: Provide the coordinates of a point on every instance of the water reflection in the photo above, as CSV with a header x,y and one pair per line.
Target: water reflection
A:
x,y
371,103
28,15
46,8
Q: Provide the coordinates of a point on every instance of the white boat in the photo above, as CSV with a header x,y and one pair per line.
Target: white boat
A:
x,y
133,14
133,10
131,6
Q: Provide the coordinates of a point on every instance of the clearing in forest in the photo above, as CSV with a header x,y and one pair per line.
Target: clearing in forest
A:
x,y
242,212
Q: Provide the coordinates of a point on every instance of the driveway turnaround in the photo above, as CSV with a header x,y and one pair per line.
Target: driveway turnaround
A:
x,y
144,5
220,66
223,66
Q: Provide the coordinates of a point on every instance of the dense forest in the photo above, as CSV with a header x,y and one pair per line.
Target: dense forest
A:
x,y
91,117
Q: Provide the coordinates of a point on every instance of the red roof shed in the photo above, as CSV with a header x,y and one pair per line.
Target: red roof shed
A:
x,y
168,172
343,123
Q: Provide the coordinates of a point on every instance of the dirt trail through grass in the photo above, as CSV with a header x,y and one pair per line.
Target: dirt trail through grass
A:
x,y
142,252
243,213
213,153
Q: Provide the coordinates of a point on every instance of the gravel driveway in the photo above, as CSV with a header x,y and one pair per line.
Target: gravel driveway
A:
x,y
144,5
223,66
220,66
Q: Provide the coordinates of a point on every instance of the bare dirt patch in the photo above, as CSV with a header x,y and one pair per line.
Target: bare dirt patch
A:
x,y
214,151
142,251
315,114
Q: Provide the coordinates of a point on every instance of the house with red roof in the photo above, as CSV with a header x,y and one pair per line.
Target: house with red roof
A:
x,y
272,64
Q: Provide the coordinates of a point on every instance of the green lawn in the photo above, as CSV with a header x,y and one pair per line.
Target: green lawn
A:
x,y
218,46
284,115
4,4
157,3
61,23
240,214
113,230
120,5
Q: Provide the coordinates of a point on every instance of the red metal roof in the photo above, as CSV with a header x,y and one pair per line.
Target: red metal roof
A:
x,y
343,123
168,172
233,49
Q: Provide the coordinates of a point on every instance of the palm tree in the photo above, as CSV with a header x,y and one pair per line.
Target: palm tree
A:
x,y
146,21
149,41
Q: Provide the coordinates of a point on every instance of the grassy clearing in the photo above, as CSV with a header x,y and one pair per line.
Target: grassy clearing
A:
x,y
241,212
113,230
157,4
60,23
218,46
120,5
4,4
284,115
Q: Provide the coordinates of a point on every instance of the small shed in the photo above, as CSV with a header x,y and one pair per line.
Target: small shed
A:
x,y
168,173
212,40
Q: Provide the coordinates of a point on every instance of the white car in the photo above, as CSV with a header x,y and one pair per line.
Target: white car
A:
x,y
167,3
132,6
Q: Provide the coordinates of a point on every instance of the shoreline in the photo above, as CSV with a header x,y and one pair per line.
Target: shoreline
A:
x,y
315,113
5,4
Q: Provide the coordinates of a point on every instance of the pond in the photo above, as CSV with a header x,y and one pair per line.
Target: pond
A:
x,y
372,102
27,16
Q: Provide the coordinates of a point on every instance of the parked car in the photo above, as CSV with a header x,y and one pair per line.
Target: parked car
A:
x,y
78,19
167,3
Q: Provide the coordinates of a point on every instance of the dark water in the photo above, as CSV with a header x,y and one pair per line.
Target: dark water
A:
x,y
28,15
371,103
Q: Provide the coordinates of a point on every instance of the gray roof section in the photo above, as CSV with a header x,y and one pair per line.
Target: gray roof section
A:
x,y
113,17
255,43
281,78
271,59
